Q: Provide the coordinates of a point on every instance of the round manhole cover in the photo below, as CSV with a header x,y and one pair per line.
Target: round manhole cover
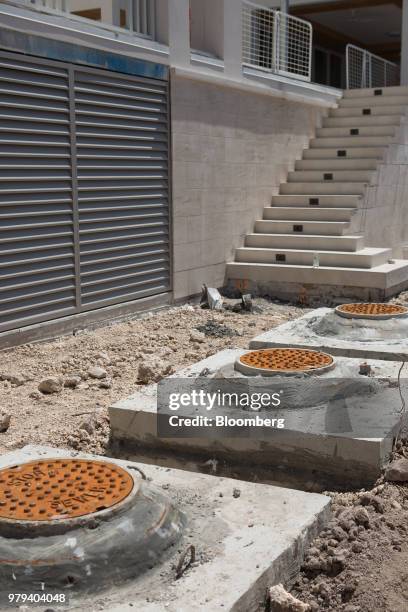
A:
x,y
371,311
285,361
59,489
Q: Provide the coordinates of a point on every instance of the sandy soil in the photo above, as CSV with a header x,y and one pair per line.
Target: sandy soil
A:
x,y
77,417
359,563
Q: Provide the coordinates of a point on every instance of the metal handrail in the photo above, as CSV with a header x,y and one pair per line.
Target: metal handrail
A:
x,y
276,42
365,69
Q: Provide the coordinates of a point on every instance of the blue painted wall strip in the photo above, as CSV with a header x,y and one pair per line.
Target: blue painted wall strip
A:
x,y
29,44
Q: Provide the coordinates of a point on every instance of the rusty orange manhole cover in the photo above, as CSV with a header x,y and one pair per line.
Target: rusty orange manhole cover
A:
x,y
371,310
286,360
52,489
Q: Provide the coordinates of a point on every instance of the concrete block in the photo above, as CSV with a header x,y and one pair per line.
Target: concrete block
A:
x,y
244,543
336,455
323,330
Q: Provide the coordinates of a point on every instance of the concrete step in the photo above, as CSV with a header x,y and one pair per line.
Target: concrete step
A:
x,y
367,102
396,90
383,277
339,163
308,213
352,153
366,258
307,242
325,201
376,111
308,228
312,176
350,141
341,132
362,120
323,188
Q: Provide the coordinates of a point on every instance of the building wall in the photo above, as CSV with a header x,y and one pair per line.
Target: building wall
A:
x,y
231,150
384,213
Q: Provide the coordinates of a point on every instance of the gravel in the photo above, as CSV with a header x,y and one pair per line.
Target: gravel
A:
x,y
49,388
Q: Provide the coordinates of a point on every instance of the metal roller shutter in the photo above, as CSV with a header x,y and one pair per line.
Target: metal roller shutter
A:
x,y
37,264
122,144
84,214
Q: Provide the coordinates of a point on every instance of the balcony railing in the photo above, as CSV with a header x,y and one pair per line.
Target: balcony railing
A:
x,y
138,16
364,69
276,42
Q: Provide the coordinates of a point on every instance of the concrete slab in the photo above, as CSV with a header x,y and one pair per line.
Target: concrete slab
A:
x,y
324,330
339,426
245,542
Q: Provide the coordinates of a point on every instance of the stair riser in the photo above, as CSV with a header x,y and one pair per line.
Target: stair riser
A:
x,y
324,201
309,228
395,90
344,260
369,102
313,243
378,278
330,165
376,111
350,176
350,141
351,153
344,132
328,188
362,120
308,214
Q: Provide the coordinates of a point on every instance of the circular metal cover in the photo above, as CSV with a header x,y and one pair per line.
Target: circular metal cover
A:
x,y
59,489
371,311
285,361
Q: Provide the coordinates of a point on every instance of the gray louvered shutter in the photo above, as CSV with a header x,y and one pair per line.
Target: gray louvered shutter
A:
x,y
37,262
122,161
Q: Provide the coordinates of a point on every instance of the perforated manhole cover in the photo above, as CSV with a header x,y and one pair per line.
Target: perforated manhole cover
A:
x,y
56,489
284,360
371,311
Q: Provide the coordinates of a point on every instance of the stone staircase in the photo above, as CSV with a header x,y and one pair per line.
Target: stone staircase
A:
x,y
310,235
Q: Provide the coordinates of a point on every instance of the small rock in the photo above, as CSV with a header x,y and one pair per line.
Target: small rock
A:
x,y
396,505
4,422
88,426
338,534
97,372
14,378
367,499
104,357
357,547
105,384
236,493
35,395
72,382
197,336
397,471
362,517
282,601
50,385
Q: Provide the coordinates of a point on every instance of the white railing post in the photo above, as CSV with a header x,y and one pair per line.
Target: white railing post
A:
x,y
179,32
276,42
232,38
404,43
365,69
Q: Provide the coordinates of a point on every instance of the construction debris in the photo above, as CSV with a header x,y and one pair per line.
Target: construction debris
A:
x,y
97,372
397,471
282,601
211,298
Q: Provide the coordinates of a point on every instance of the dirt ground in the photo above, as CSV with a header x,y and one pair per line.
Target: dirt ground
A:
x,y
76,416
359,563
